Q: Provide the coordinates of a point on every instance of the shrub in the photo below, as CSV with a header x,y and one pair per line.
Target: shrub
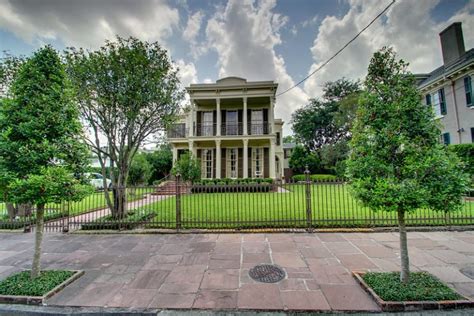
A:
x,y
465,152
188,167
315,177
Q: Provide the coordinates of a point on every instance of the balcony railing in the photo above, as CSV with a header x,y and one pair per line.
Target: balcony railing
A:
x,y
178,131
232,129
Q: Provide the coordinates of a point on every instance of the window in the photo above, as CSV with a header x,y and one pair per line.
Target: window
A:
x,y
446,139
207,123
256,121
428,99
257,162
207,163
472,134
231,122
232,163
278,141
468,90
439,102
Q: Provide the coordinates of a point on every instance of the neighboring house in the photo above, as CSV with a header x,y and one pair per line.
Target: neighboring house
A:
x,y
230,127
287,150
448,89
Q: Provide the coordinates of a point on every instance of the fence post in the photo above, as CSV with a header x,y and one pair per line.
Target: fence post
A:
x,y
178,202
309,217
66,217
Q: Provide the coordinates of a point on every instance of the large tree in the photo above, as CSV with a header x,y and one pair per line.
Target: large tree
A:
x,y
397,163
40,146
127,91
327,121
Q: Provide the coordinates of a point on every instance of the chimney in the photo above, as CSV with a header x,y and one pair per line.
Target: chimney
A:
x,y
452,43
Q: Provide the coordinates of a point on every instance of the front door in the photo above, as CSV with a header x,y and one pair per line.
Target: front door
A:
x,y
232,123
232,163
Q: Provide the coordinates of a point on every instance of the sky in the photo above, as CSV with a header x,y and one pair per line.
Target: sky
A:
x,y
279,40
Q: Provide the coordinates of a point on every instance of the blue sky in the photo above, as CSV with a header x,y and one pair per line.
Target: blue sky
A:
x,y
281,40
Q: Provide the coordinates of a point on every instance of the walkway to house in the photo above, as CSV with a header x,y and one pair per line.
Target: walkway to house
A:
x,y
210,271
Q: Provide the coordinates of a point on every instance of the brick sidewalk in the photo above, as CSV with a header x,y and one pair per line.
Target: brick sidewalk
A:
x,y
210,271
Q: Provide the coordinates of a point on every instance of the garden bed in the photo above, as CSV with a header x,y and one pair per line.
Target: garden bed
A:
x,y
132,220
20,289
423,292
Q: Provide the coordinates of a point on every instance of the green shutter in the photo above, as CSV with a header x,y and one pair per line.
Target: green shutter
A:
x,y
468,90
442,102
446,139
428,99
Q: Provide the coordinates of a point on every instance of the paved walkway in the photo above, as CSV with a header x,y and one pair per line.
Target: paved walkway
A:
x,y
210,271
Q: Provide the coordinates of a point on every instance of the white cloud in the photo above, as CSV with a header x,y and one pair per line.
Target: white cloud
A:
x,y
310,22
187,73
244,36
87,23
408,28
191,32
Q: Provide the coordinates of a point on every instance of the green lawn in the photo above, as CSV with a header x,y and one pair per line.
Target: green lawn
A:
x,y
332,206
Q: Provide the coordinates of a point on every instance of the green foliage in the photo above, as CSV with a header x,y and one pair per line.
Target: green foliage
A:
x,y
9,67
315,177
396,161
422,287
300,158
161,162
333,157
228,181
328,120
140,170
41,134
465,152
289,139
22,285
188,168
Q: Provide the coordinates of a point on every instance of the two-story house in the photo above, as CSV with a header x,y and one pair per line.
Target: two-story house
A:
x,y
448,88
230,127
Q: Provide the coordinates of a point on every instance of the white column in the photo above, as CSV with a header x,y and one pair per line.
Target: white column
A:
x,y
272,158
271,115
192,150
244,115
218,123
245,159
190,122
175,154
218,159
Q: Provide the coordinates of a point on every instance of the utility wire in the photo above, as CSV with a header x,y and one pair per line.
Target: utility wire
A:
x,y
340,50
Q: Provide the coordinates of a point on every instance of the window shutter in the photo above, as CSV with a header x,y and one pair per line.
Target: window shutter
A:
x,y
446,139
468,90
240,166
223,163
249,162
428,99
266,162
442,102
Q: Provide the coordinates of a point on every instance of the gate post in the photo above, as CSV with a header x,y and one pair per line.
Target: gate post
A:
x,y
309,217
178,202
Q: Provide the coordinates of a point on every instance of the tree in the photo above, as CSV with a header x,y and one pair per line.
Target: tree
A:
x,y
301,157
161,162
140,170
187,167
288,139
327,120
397,163
127,91
40,145
9,66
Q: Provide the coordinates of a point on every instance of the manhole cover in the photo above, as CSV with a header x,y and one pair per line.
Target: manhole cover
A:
x,y
468,271
267,273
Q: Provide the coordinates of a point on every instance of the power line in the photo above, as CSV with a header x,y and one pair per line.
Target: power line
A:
x,y
340,50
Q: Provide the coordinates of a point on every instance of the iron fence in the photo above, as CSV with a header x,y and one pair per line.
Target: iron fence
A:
x,y
244,204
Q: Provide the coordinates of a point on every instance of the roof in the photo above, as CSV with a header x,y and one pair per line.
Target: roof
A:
x,y
289,145
232,82
442,71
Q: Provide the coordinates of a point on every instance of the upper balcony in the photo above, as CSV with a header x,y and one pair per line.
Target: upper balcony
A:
x,y
210,130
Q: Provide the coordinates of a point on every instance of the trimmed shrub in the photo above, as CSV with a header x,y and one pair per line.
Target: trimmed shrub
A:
x,y
315,177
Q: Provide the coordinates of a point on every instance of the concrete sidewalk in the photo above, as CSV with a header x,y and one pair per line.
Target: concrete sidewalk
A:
x,y
210,271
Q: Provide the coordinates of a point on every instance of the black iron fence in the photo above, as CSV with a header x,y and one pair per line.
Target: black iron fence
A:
x,y
237,204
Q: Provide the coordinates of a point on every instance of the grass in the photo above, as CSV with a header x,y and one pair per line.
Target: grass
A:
x,y
332,206
422,287
132,220
20,284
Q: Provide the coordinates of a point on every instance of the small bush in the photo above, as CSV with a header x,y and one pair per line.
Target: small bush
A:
x,y
315,177
22,285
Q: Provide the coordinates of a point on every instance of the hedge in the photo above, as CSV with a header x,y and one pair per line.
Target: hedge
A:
x,y
228,181
315,177
225,188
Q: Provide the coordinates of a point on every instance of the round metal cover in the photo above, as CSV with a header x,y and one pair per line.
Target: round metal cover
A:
x,y
267,273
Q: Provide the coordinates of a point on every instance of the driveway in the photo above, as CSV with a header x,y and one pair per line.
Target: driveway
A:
x,y
210,271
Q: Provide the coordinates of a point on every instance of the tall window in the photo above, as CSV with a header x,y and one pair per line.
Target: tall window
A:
x,y
232,122
207,163
439,102
207,123
257,162
468,90
256,121
232,163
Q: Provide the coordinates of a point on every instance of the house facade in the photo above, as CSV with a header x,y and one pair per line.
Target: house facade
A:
x,y
230,127
448,88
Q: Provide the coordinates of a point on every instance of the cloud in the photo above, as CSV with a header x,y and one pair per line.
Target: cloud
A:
x,y
408,27
244,36
191,32
87,23
187,72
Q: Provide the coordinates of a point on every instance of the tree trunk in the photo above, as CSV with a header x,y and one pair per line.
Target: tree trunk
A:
x,y
36,268
120,201
12,211
405,264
